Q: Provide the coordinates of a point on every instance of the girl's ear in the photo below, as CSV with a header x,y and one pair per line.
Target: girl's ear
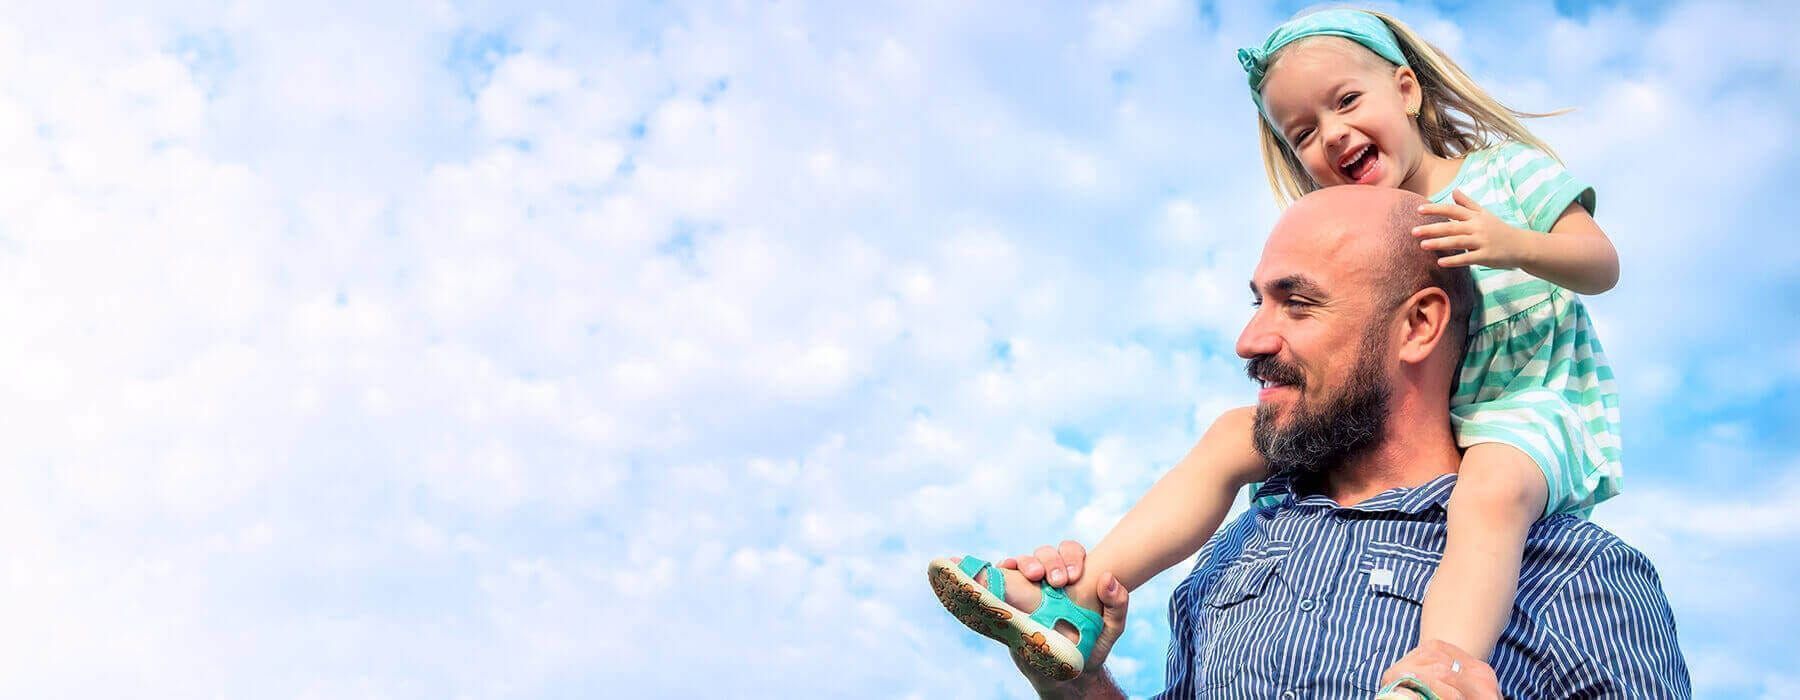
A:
x,y
1410,93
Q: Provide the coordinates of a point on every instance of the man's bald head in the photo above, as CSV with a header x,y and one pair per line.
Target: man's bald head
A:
x,y
1373,226
1412,268
1351,325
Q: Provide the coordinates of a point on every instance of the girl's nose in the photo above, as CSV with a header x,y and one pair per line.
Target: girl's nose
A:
x,y
1334,133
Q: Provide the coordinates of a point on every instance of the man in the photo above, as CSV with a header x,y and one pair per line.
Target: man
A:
x,y
1357,339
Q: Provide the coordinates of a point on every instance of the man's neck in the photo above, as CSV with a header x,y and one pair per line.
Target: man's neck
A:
x,y
1417,448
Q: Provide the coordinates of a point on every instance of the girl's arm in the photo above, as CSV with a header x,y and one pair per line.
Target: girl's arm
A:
x,y
1576,256
1185,506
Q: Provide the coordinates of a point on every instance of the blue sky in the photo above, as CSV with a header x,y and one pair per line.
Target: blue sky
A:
x,y
545,350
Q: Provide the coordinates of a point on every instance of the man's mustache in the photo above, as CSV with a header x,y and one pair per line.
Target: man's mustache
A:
x,y
1265,368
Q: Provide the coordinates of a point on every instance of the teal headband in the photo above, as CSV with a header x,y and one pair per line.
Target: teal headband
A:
x,y
1355,25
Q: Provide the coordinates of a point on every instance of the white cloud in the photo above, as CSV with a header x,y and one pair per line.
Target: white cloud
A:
x,y
1118,27
327,378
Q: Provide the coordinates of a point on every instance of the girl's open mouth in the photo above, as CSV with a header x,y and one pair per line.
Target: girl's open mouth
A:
x,y
1360,166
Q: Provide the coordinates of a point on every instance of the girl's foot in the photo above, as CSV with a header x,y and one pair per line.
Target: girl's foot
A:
x,y
1054,638
1024,594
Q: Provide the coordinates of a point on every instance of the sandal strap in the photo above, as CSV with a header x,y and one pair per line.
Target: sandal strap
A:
x,y
1058,608
996,584
1408,682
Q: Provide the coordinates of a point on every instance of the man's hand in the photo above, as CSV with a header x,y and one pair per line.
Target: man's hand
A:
x,y
1093,681
1061,566
1450,672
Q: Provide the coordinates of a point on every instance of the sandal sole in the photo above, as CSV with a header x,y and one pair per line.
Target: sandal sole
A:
x,y
1043,649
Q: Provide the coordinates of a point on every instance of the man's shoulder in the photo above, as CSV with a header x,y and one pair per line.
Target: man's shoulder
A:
x,y
1597,604
1562,547
1572,531
1228,544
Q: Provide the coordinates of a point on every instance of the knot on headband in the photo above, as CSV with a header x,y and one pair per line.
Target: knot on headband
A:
x,y
1358,26
1253,62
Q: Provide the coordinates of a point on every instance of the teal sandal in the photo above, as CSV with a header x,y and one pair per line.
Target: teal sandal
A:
x,y
1034,634
1398,690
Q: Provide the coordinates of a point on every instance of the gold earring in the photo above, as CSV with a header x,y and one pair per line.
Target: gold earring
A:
x,y
1412,112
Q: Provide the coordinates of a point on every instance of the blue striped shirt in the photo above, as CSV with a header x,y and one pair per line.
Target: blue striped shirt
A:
x,y
1306,598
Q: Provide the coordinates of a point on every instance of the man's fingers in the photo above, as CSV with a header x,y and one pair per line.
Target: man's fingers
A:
x,y
1055,570
1073,556
1031,568
1114,600
1465,675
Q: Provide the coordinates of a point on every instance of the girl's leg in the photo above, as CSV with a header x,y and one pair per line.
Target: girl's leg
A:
x,y
1500,492
1169,523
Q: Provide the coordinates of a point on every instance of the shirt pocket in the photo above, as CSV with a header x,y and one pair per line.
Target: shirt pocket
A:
x,y
1231,612
1394,577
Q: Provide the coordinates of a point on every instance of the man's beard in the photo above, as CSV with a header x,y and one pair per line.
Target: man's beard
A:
x,y
1316,442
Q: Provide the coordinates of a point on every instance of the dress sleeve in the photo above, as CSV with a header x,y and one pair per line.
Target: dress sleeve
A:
x,y
1542,187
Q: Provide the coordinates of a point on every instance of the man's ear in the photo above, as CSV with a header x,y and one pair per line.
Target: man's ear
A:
x,y
1424,317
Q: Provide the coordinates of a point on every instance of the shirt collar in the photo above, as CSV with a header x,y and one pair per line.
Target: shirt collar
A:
x,y
1412,500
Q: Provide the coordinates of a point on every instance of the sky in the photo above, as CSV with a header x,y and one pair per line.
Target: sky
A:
x,y
439,349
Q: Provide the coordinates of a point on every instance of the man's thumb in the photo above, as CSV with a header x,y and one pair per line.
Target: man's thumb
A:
x,y
1114,599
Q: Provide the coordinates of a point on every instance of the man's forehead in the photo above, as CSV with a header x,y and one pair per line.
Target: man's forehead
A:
x,y
1299,251
1320,257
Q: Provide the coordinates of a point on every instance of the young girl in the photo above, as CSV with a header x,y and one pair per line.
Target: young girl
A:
x,y
1353,97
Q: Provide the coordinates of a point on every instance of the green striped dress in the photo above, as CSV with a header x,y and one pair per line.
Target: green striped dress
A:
x,y
1535,376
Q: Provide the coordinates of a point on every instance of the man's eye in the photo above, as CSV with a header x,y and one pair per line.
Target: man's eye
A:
x,y
1348,99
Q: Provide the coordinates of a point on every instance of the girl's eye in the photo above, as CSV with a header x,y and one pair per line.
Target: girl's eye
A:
x,y
1348,99
1301,137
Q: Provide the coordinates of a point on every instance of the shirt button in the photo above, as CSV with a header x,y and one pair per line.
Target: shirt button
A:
x,y
1307,605
1289,695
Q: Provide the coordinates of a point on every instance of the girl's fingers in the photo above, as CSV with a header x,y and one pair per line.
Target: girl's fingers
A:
x,y
1443,228
1466,200
1460,260
1450,210
1451,243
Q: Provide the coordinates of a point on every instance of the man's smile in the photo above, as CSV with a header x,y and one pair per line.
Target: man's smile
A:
x,y
1271,390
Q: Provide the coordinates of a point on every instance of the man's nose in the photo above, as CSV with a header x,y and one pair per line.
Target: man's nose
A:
x,y
1259,338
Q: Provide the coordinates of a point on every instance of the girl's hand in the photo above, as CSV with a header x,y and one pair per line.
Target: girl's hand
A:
x,y
1483,238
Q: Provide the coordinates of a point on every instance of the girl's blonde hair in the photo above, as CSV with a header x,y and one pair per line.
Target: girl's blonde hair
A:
x,y
1456,116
